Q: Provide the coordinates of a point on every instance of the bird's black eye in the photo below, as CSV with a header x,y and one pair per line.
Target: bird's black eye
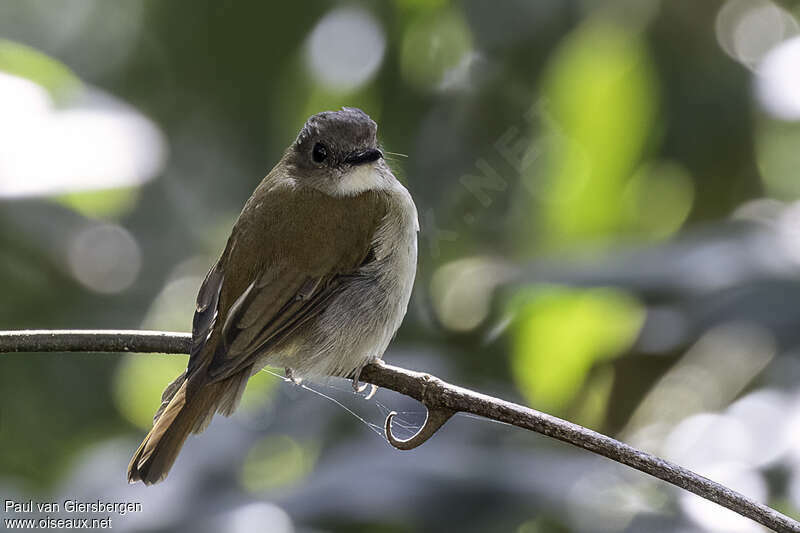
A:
x,y
319,153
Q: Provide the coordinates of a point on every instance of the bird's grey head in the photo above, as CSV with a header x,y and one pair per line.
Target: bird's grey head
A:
x,y
337,152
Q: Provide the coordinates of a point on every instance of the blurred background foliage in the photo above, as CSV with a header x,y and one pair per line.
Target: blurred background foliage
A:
x,y
609,195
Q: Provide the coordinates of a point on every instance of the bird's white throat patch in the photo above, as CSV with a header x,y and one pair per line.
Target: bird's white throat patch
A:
x,y
360,178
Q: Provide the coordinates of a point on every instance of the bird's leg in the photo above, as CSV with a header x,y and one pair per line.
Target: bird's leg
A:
x,y
356,386
290,376
361,387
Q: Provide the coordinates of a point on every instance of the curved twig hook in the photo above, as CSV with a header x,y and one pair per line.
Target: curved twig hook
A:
x,y
435,419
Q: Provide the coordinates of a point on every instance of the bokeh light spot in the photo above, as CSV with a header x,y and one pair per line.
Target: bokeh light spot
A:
x,y
346,48
713,517
434,45
778,81
256,517
139,382
105,258
58,136
748,29
763,413
87,148
276,462
173,308
462,290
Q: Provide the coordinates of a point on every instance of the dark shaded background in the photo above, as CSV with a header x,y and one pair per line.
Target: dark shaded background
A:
x,y
607,194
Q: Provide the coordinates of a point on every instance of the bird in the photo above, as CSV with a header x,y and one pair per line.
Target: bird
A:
x,y
315,277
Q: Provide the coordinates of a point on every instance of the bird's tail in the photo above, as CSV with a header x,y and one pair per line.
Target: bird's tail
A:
x,y
155,456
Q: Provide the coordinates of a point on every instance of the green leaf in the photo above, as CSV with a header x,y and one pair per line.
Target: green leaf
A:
x,y
659,199
104,204
26,62
599,104
560,333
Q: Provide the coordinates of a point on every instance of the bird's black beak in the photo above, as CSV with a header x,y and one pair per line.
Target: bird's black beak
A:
x,y
364,156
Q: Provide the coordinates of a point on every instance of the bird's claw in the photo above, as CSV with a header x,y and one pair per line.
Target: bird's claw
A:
x,y
290,376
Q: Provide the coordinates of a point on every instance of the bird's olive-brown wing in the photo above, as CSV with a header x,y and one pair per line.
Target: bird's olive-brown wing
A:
x,y
289,252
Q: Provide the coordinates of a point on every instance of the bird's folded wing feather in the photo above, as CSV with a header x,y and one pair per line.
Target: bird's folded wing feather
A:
x,y
289,253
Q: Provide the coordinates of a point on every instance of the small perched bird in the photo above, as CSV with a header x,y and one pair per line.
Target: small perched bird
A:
x,y
316,277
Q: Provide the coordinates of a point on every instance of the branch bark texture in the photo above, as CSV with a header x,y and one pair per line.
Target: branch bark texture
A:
x,y
442,399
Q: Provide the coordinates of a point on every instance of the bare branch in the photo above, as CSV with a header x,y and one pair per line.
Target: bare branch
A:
x,y
87,340
442,400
